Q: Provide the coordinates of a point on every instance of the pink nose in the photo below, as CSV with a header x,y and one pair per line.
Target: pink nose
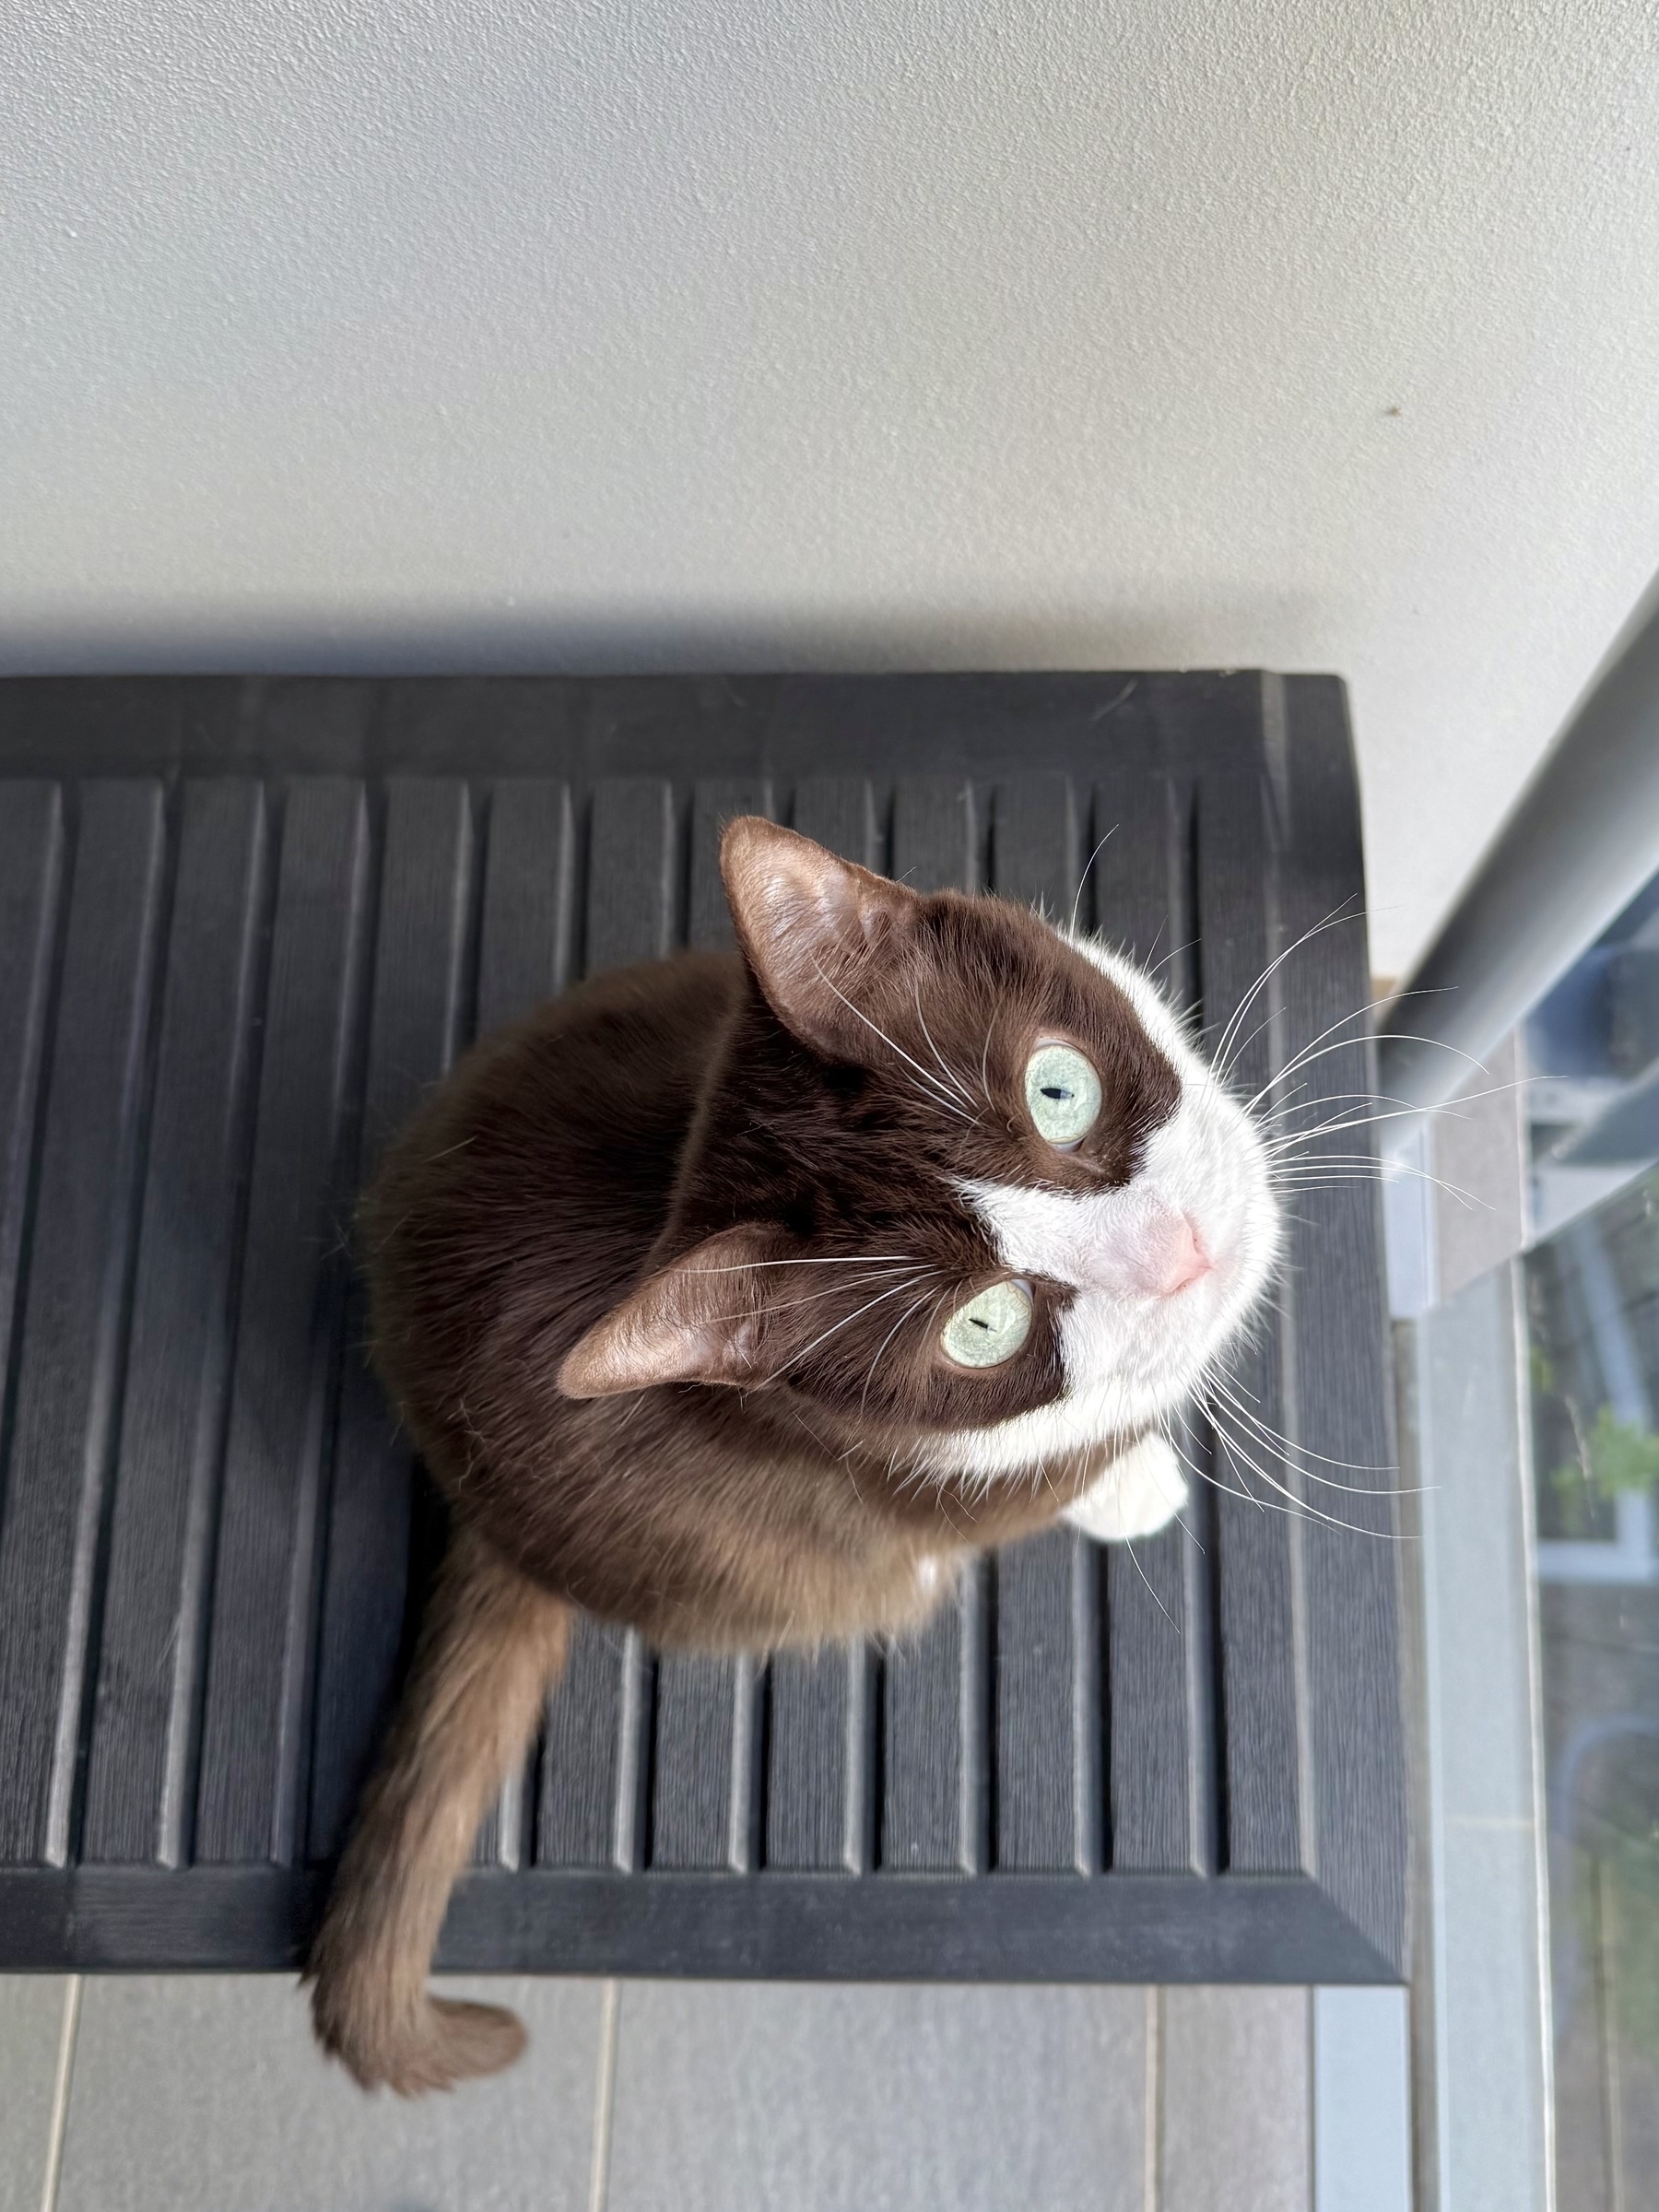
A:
x,y
1183,1259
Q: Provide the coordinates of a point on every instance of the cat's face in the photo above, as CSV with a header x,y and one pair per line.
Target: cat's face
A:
x,y
969,1186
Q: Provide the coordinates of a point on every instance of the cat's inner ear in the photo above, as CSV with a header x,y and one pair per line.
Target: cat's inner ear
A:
x,y
808,921
701,1319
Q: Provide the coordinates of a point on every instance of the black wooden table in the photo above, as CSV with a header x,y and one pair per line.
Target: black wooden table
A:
x,y
243,924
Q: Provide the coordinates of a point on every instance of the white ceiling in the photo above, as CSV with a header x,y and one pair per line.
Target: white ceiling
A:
x,y
848,333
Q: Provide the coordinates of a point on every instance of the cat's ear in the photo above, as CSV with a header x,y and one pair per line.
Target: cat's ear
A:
x,y
701,1319
808,922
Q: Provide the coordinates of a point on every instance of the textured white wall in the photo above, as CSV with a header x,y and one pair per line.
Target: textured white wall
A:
x,y
848,333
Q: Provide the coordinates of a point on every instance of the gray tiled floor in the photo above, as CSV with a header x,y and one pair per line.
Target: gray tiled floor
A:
x,y
1237,2084
31,2013
879,2099
206,2095
1362,2110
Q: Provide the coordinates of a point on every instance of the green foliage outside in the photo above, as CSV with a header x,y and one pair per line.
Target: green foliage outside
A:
x,y
1615,1905
1612,1457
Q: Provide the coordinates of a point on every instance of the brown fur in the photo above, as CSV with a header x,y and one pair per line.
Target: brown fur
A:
x,y
491,1644
686,1175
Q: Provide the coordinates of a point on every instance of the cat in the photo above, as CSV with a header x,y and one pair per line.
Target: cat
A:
x,y
739,1297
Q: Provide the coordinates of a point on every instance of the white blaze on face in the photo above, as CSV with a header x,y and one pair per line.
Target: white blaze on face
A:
x,y
1163,1270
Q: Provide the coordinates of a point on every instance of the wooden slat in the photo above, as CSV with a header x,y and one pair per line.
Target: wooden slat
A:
x,y
421,978
630,889
1138,895
1048,1710
937,1718
1258,1536
141,1779
1160,1785
256,1729
598,1717
595,1754
524,949
523,957
1334,1290
31,862
70,1360
715,802
703,1796
705,1728
1034,855
935,835
819,1753
839,812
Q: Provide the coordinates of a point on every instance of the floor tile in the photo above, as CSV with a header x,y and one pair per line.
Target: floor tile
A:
x,y
31,2019
1492,2125
1362,2101
1237,2085
749,2098
206,2094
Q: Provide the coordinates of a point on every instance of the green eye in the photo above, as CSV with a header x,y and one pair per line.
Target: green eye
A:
x,y
989,1328
1062,1093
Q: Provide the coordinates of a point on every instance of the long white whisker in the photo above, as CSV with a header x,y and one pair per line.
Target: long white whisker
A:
x,y
1236,1446
1129,1548
1173,954
1203,1475
1169,1435
1401,1037
943,1097
1281,1446
1328,1097
1087,872
1400,1110
844,1259
1308,1135
1267,1023
1289,1137
955,1084
823,1338
1309,1174
1380,1170
1307,1056
914,1307
1218,1057
985,1057
811,1297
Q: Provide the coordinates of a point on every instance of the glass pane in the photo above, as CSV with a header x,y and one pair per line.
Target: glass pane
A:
x,y
1592,1060
1592,1293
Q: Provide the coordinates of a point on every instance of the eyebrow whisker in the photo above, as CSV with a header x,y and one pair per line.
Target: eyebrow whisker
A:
x,y
846,1321
941,1096
1087,872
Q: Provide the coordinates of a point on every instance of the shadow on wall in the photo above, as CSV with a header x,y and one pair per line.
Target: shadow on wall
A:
x,y
1217,628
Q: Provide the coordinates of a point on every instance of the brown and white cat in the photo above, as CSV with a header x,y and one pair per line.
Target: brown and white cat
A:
x,y
737,1298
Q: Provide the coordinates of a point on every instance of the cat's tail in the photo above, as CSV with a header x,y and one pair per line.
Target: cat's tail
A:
x,y
491,1644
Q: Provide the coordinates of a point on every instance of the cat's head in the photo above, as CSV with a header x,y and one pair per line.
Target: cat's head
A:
x,y
961,1179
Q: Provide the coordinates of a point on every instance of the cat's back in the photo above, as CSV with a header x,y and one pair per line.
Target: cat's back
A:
x,y
529,1189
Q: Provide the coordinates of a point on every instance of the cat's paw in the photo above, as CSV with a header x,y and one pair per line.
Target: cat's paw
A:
x,y
1141,1491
